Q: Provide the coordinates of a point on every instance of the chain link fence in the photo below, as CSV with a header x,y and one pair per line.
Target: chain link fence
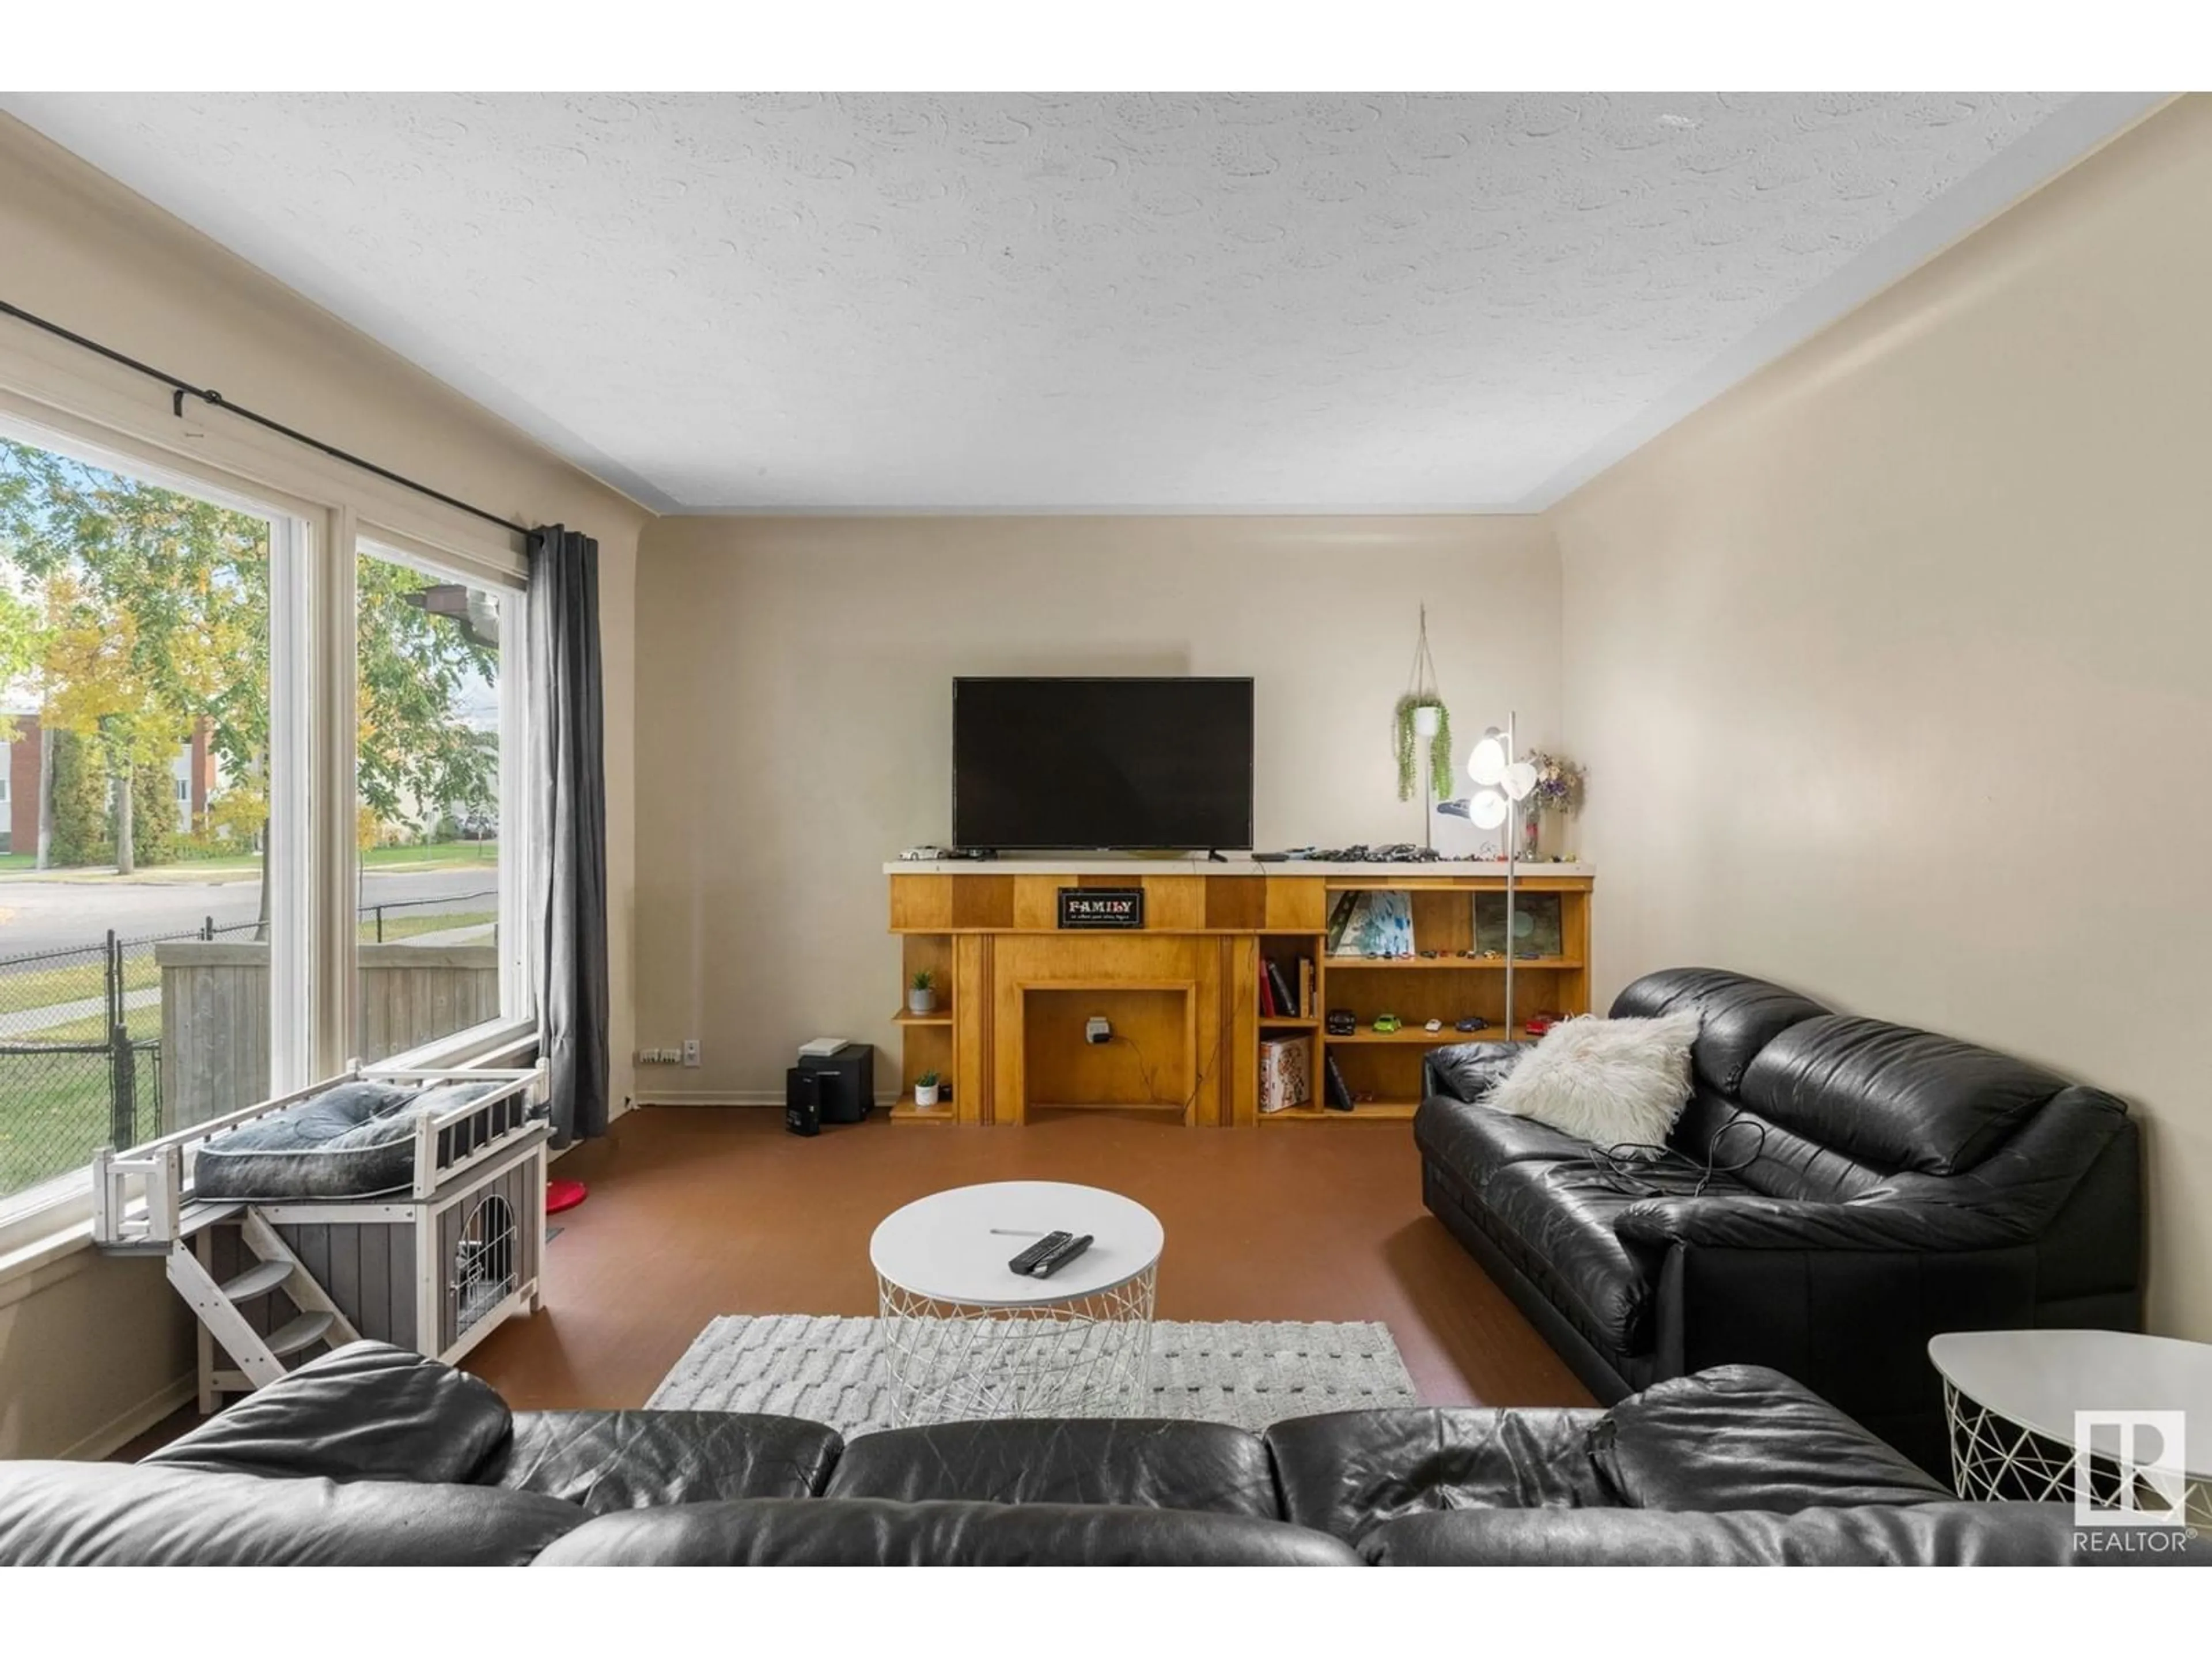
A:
x,y
81,1052
81,1039
373,916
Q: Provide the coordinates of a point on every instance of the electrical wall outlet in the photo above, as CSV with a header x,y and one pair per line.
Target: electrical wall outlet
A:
x,y
691,1051
1096,1030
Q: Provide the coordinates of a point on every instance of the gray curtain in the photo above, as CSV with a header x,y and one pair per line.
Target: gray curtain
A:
x,y
569,824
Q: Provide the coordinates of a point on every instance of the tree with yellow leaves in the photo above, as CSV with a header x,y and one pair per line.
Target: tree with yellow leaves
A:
x,y
154,609
142,613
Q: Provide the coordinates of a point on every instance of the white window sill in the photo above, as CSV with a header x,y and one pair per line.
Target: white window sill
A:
x,y
494,1037
39,1236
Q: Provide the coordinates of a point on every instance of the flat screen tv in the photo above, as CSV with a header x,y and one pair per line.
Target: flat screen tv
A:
x,y
1125,765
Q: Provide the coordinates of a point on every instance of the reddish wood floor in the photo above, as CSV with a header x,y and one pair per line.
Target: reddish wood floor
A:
x,y
696,1211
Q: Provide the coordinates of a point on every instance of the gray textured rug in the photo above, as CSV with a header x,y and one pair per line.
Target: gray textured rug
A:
x,y
834,1371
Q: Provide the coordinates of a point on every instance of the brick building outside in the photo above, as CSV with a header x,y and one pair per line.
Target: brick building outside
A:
x,y
193,773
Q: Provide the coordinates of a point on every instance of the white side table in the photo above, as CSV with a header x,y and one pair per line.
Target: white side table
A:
x,y
2011,1396
968,1338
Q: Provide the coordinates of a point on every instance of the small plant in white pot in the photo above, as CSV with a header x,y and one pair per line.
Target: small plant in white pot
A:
x,y
925,1089
922,992
1424,716
1421,717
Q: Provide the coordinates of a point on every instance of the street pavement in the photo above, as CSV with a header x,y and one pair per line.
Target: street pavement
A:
x,y
59,914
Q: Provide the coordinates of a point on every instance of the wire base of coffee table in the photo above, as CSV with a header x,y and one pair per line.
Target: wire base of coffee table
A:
x,y
1995,1460
1084,1357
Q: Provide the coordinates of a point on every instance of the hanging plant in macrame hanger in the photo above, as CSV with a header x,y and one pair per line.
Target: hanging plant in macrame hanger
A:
x,y
1421,715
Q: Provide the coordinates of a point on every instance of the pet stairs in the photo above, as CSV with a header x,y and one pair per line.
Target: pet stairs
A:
x,y
260,1358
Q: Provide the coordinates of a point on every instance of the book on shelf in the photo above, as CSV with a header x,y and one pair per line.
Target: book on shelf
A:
x,y
1268,1010
1286,1072
1278,988
1340,1091
1340,917
1381,925
1305,987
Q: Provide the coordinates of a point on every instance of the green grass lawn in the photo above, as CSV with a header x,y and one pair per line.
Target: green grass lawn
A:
x,y
402,925
437,854
54,1113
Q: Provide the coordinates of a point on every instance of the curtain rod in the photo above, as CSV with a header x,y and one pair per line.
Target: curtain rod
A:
x,y
180,389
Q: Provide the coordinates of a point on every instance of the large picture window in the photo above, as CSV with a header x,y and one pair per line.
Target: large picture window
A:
x,y
200,906
145,881
437,708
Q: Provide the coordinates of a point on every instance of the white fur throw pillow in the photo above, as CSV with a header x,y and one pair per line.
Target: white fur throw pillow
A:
x,y
1611,1082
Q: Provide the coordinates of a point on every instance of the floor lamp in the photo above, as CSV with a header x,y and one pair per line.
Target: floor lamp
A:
x,y
1502,783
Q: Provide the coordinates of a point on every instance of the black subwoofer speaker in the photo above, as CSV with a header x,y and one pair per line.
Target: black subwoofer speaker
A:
x,y
845,1080
802,1101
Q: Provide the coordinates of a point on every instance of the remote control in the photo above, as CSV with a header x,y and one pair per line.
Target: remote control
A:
x,y
1060,1257
1026,1262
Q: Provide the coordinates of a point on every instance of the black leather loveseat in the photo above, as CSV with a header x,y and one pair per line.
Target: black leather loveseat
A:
x,y
374,1456
1898,1184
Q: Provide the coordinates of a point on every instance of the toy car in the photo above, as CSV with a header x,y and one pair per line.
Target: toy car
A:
x,y
1342,1022
1434,1025
1386,1022
1471,1023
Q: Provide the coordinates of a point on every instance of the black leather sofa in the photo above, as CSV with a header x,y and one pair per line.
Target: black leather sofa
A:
x,y
373,1456
1895,1184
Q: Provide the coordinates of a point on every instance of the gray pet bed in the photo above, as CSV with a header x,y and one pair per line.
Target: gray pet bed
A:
x,y
356,1140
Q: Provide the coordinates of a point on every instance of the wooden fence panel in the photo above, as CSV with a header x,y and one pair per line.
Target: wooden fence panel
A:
x,y
215,1014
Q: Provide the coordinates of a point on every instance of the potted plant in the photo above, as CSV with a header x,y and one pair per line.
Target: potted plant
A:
x,y
922,992
925,1089
1421,715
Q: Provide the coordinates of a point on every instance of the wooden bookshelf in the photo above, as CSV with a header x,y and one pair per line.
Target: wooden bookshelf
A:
x,y
1184,989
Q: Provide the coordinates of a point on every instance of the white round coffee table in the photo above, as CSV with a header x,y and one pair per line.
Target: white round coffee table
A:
x,y
970,1338
2011,1397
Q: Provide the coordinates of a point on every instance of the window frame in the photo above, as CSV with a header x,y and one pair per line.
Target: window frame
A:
x,y
518,1014
325,512
56,1201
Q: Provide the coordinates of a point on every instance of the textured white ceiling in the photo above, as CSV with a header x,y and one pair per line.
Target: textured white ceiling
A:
x,y
1267,302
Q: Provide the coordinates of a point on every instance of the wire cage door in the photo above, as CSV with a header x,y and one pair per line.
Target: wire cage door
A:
x,y
483,1262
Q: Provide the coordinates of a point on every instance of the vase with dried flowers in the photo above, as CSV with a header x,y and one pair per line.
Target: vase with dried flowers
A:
x,y
1554,804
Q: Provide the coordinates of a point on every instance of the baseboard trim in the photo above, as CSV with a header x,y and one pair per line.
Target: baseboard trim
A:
x,y
119,1431
708,1098
732,1098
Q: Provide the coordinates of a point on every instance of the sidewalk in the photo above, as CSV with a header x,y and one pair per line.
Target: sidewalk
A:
x,y
26,1021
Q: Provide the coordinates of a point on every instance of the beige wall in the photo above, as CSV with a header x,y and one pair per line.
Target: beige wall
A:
x,y
98,1338
1891,668
794,716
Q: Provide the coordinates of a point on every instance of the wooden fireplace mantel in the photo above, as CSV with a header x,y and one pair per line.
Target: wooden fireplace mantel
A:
x,y
1183,993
